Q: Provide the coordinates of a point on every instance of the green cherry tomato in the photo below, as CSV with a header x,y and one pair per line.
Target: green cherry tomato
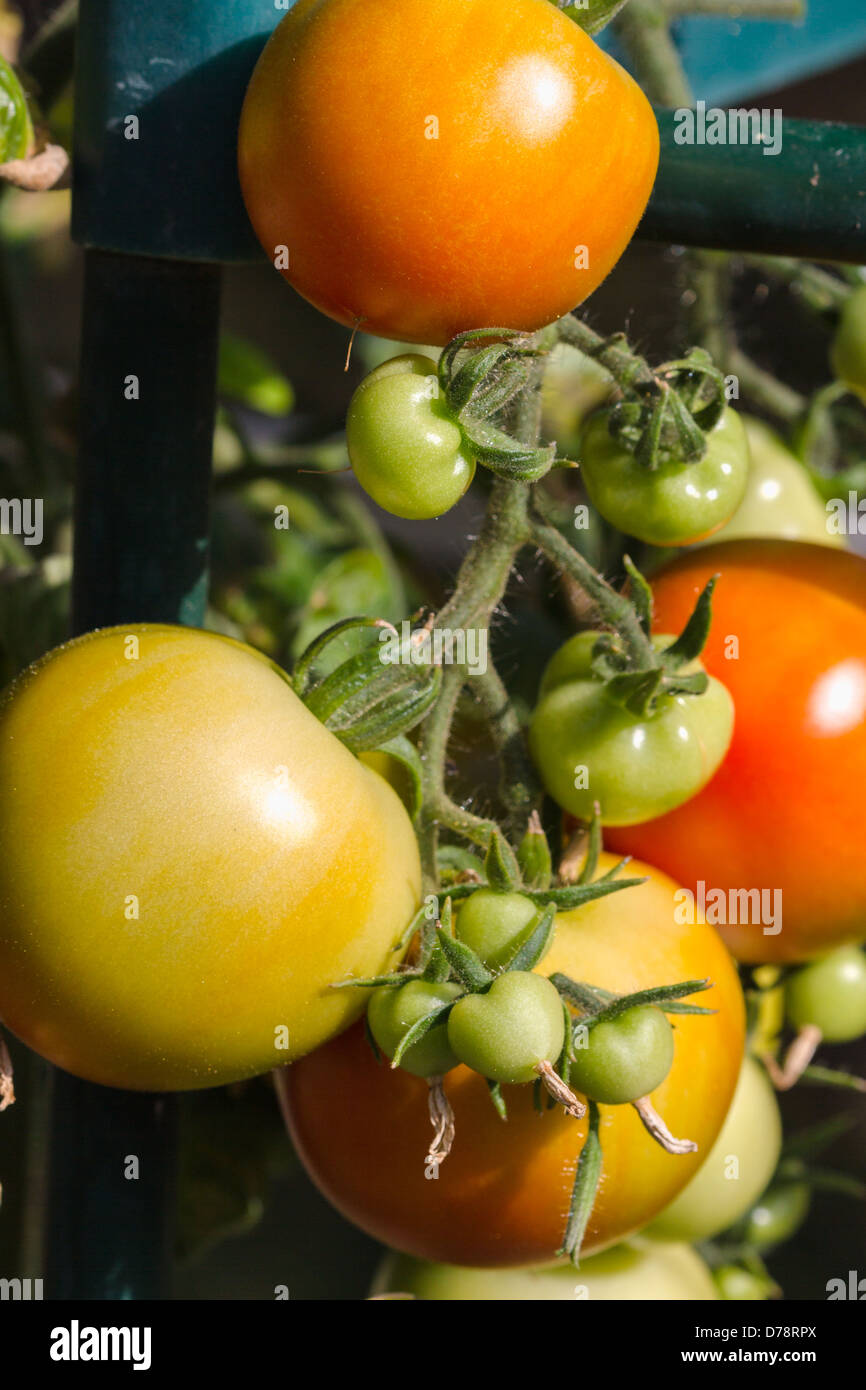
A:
x,y
676,503
404,444
505,1033
848,350
777,1216
623,1273
624,1058
831,995
394,1009
588,747
737,1285
490,921
780,501
737,1168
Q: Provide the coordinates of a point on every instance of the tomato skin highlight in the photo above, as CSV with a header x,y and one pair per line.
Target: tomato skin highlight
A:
x,y
779,812
502,1195
153,786
416,204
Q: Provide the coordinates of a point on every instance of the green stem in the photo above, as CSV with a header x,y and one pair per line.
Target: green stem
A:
x,y
644,27
614,608
435,732
820,290
765,389
738,9
519,788
628,368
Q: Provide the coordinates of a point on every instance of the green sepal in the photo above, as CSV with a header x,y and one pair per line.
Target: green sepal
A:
x,y
808,1143
466,965
366,704
494,1090
416,924
453,860
830,1076
486,381
661,996
407,755
576,894
368,1034
503,455
592,15
533,943
16,128
302,674
533,856
583,1194
396,977
589,999
693,638
641,594
593,848
419,1030
500,865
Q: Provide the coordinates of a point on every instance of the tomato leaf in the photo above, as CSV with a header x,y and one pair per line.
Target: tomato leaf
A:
x,y
248,375
586,1180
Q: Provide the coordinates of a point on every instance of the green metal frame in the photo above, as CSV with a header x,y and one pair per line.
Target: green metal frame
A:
x,y
157,215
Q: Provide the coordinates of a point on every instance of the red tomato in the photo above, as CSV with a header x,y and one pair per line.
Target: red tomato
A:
x,y
436,165
785,810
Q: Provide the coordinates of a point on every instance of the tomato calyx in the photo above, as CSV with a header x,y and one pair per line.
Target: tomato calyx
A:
x,y
479,383
368,702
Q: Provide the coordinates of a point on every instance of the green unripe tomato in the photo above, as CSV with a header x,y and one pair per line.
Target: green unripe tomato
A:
x,y
505,1033
831,995
737,1285
778,1215
394,1009
676,503
624,1058
588,747
737,1169
623,1273
404,444
489,922
780,501
848,350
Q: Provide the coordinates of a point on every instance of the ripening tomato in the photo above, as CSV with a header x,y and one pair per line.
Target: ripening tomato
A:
x,y
437,165
674,1272
783,812
190,860
502,1195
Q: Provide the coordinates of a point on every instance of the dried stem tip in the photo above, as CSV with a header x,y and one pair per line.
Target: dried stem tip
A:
x,y
655,1125
442,1120
560,1092
797,1058
7,1090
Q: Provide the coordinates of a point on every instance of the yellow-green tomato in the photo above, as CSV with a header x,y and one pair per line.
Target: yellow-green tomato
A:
x,y
190,861
405,445
395,1009
848,350
736,1284
830,994
674,1272
676,503
489,922
736,1170
505,1033
779,500
589,748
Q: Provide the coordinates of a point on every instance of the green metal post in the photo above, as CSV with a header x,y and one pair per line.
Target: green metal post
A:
x,y
157,207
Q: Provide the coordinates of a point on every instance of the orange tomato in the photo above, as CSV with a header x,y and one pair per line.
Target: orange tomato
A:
x,y
502,1195
438,165
784,811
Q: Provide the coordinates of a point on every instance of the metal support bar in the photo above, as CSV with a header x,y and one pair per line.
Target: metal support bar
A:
x,y
140,555
808,200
